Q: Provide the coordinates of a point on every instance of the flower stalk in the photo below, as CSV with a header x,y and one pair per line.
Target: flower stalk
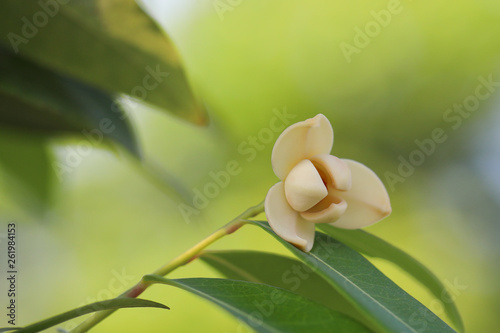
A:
x,y
181,260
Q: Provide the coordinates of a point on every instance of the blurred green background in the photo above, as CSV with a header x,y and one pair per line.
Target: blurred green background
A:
x,y
249,60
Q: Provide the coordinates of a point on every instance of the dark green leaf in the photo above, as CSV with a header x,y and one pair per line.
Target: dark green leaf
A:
x,y
279,271
266,308
386,305
112,45
116,303
9,329
40,100
373,246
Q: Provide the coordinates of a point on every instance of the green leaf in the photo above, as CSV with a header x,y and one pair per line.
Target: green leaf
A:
x,y
116,303
39,100
26,176
373,246
112,45
265,308
386,305
279,271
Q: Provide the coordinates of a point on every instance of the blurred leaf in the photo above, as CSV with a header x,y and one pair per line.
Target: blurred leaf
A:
x,y
112,45
26,175
386,305
373,246
265,308
279,271
37,99
116,303
165,181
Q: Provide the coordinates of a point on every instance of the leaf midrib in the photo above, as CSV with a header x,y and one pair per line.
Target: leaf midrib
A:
x,y
364,293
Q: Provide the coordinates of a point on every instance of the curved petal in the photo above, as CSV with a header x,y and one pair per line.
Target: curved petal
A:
x,y
304,187
286,222
300,141
328,210
367,201
306,230
333,170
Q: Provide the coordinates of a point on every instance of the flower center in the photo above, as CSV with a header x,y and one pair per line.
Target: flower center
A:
x,y
304,186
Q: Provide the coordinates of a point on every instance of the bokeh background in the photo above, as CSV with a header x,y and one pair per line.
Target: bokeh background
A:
x,y
108,224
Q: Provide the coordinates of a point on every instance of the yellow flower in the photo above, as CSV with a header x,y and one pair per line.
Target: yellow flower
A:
x,y
317,187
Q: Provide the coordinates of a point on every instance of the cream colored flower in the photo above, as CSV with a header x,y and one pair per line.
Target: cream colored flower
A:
x,y
317,187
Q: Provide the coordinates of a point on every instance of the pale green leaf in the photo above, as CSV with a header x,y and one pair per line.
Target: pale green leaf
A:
x,y
112,45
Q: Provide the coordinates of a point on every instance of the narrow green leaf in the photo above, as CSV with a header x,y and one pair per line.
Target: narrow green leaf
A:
x,y
39,100
279,271
373,246
265,308
112,45
386,305
116,303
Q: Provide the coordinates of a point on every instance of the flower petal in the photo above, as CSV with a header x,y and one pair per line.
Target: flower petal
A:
x,y
333,170
306,230
367,200
286,222
304,187
300,141
328,210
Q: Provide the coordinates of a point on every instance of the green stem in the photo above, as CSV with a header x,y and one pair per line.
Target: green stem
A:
x,y
181,260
